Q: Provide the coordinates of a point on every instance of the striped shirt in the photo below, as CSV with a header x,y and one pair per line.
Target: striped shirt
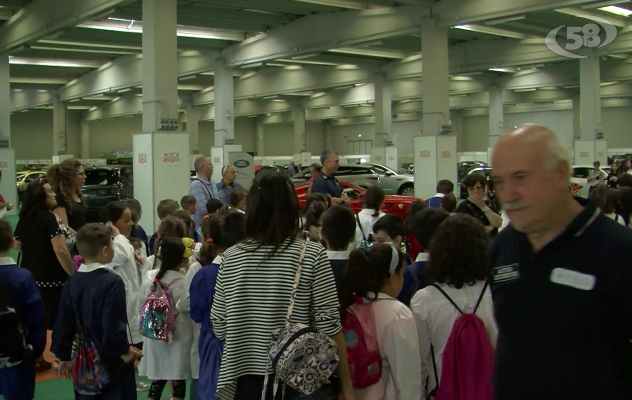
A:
x,y
252,296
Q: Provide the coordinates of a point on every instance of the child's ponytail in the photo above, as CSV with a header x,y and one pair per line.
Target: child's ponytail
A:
x,y
169,228
171,255
213,241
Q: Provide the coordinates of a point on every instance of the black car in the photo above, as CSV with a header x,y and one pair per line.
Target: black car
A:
x,y
106,184
464,167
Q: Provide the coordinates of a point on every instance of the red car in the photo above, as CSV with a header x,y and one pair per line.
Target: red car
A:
x,y
393,204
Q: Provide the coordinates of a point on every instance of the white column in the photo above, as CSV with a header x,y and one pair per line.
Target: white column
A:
x,y
300,139
577,115
7,154
260,150
224,104
59,126
329,136
85,139
434,153
5,101
383,113
193,128
496,119
161,155
590,97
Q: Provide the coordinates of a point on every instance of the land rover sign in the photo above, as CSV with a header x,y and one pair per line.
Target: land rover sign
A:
x,y
244,166
242,163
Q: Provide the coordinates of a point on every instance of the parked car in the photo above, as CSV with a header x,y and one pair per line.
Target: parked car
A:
x,y
106,184
276,168
393,204
464,167
579,175
367,174
23,178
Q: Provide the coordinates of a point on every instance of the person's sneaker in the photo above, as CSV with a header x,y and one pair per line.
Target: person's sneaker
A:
x,y
141,387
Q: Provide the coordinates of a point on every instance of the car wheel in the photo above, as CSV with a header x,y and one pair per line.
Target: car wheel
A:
x,y
406,190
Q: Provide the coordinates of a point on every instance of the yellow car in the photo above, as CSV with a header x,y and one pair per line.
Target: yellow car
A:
x,y
23,179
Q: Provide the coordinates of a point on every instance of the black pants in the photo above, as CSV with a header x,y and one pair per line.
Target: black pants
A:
x,y
250,387
156,388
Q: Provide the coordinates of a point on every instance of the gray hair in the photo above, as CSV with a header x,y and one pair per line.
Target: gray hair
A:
x,y
555,152
325,155
199,163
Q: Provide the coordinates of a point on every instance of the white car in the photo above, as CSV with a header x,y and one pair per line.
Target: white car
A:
x,y
579,175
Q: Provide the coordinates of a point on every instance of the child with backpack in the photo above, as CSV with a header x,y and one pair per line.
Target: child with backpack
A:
x,y
170,227
220,232
455,316
167,329
91,332
23,335
380,331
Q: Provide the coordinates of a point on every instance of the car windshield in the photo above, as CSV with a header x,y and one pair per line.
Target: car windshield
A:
x,y
382,169
100,177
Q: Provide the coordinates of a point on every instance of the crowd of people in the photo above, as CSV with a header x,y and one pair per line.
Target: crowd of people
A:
x,y
250,297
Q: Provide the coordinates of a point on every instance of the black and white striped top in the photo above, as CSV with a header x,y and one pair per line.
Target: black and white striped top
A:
x,y
251,301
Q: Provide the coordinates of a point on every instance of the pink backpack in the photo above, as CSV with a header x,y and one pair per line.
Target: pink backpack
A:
x,y
467,369
363,352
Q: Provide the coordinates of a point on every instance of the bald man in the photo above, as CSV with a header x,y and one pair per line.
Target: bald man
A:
x,y
561,288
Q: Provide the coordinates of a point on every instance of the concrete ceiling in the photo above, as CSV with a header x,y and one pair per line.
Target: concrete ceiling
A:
x,y
315,52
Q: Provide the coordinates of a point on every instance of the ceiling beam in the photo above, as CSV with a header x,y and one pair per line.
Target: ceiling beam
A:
x,y
24,99
41,18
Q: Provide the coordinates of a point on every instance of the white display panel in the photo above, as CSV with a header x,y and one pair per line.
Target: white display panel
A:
x,y
435,159
378,155
391,158
144,179
306,159
244,166
585,152
8,189
601,149
296,158
61,158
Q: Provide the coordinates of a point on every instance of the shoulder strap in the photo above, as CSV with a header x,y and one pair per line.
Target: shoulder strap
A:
x,y
360,226
448,297
480,298
432,394
297,278
204,186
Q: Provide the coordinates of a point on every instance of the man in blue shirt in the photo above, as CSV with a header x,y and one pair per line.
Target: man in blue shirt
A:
x,y
444,187
224,187
326,183
202,187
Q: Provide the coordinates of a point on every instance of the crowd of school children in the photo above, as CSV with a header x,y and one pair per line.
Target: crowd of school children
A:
x,y
392,296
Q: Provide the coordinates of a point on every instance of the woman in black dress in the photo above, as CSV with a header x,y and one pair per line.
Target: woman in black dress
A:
x,y
475,204
66,180
41,238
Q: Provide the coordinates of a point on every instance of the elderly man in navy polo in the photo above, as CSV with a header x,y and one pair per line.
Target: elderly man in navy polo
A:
x,y
326,183
561,286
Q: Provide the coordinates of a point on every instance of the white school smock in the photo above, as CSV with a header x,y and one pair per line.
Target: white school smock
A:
x,y
367,220
397,340
435,317
162,360
185,305
124,264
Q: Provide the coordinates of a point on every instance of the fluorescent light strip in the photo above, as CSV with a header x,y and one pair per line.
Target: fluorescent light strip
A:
x,y
132,26
304,62
81,50
505,20
492,31
525,90
509,70
83,44
604,4
617,10
54,63
371,53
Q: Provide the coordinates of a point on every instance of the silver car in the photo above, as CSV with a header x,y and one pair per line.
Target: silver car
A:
x,y
367,174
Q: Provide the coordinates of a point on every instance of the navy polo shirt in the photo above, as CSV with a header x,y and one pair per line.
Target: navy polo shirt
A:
x,y
327,185
564,313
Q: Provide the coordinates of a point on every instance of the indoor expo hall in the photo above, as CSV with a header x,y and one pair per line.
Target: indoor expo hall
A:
x,y
169,107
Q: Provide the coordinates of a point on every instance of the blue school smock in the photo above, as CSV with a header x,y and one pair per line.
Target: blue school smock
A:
x,y
408,286
98,295
18,382
210,348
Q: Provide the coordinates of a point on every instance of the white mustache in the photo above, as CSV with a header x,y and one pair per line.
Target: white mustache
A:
x,y
513,206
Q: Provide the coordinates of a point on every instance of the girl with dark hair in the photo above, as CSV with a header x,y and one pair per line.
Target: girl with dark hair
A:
x,y
365,219
476,206
314,215
219,233
171,227
164,361
606,199
186,219
40,237
66,179
457,264
376,276
254,288
613,175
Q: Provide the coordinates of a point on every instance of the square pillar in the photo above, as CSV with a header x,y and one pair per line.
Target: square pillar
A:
x,y
590,97
435,159
577,115
496,118
7,154
300,138
224,106
259,128
434,85
60,116
383,112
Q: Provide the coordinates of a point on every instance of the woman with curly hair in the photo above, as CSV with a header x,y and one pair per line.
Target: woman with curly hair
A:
x,y
66,179
458,266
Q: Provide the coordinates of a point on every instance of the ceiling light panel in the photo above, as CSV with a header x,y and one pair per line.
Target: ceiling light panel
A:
x,y
617,10
132,26
493,31
82,50
49,62
397,55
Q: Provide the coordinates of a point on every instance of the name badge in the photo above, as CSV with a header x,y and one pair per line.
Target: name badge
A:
x,y
506,273
574,279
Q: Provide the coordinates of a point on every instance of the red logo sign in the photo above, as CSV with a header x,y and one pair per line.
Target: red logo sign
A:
x,y
583,154
142,159
424,154
446,155
171,157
